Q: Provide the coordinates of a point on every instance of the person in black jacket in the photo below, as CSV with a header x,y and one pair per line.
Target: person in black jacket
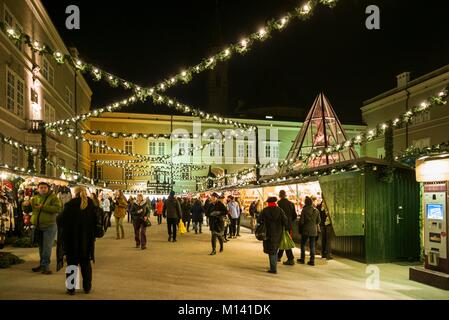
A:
x,y
216,213
309,220
172,211
275,221
140,213
289,209
78,222
197,216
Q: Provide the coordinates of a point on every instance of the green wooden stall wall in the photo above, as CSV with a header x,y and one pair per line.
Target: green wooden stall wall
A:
x,y
374,221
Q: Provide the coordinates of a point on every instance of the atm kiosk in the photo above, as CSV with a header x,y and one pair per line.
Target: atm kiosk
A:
x,y
433,173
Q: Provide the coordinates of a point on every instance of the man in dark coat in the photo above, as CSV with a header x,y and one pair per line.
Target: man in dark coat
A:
x,y
197,215
289,209
78,235
275,221
172,211
309,220
216,212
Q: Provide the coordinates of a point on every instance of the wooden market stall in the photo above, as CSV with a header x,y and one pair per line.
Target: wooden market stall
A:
x,y
374,206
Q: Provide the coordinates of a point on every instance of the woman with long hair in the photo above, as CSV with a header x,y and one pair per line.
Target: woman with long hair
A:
x,y
140,216
120,213
78,222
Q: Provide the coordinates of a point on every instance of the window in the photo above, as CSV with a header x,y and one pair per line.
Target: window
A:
x,y
421,143
161,146
48,72
14,157
92,148
182,148
185,175
129,146
275,151
421,118
12,22
191,150
100,149
222,150
99,175
49,113
240,151
15,91
11,92
152,148
128,174
8,18
250,150
267,151
381,153
212,150
68,97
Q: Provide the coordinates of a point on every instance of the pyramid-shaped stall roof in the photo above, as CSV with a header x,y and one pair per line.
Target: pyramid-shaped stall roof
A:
x,y
321,129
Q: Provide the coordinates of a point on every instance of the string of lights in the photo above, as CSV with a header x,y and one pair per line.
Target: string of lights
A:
x,y
302,12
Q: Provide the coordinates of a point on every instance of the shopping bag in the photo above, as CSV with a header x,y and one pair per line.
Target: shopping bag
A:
x,y
181,227
286,241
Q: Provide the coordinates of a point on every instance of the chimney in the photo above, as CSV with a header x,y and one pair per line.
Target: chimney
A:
x,y
403,79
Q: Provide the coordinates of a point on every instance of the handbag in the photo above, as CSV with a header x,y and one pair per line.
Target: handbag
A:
x,y
147,222
261,231
286,241
181,227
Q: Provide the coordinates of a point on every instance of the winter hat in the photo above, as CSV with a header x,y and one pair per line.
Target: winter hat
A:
x,y
272,199
215,195
172,193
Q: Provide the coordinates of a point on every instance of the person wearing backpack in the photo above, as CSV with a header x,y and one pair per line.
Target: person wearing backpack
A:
x,y
78,223
274,220
309,223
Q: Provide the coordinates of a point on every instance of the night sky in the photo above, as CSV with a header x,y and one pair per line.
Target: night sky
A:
x,y
333,52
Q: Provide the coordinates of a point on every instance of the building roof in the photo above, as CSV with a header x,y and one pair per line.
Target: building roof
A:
x,y
412,83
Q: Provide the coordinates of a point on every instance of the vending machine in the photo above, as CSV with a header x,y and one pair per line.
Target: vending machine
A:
x,y
433,173
435,226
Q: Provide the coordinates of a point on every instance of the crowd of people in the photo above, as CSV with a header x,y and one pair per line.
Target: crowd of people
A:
x,y
76,222
279,217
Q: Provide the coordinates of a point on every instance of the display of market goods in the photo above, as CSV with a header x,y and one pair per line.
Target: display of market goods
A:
x,y
8,259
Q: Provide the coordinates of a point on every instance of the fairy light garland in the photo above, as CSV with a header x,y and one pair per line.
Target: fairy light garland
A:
x,y
241,47
412,153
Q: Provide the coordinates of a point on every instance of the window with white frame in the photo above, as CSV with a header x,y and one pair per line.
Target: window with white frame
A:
x,y
128,174
49,112
212,148
185,175
15,93
250,150
48,72
267,151
421,143
182,148
222,150
68,97
102,150
152,148
240,150
161,147
275,151
129,146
